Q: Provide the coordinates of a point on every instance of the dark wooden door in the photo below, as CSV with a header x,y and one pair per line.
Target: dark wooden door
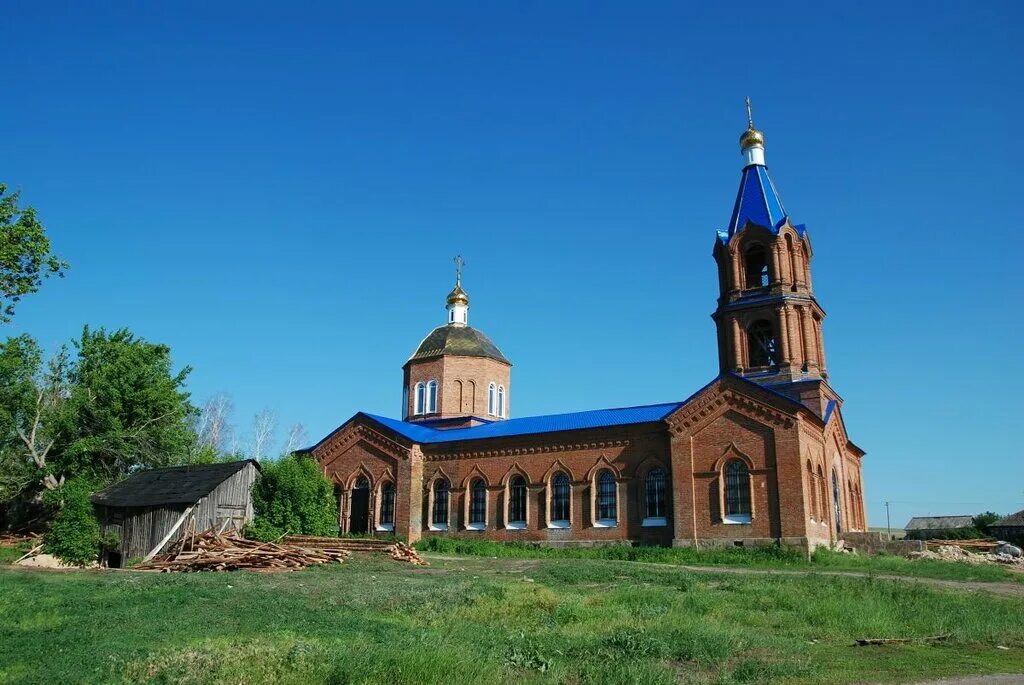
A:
x,y
359,517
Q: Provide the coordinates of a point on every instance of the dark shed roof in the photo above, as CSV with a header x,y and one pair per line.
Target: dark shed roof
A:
x,y
939,522
174,485
1011,521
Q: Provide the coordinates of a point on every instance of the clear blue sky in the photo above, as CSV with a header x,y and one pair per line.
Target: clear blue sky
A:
x,y
277,191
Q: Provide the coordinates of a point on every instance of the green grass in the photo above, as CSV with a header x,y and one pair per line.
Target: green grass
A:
x,y
372,620
11,553
764,557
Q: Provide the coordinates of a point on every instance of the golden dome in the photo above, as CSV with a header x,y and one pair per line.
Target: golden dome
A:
x,y
458,295
751,137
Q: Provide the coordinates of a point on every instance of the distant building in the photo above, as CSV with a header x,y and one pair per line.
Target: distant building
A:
x,y
760,454
923,526
154,508
1010,528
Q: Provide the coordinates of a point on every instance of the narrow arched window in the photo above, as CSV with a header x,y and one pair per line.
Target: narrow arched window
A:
x,y
737,492
762,349
560,498
822,499
421,398
491,399
755,266
607,510
836,503
387,504
812,502
478,503
655,494
431,397
439,516
501,401
517,500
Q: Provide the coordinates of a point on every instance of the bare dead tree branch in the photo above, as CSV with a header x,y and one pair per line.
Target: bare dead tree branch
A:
x,y
296,438
263,426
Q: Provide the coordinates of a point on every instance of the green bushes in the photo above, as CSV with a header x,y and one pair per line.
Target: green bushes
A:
x,y
292,497
74,536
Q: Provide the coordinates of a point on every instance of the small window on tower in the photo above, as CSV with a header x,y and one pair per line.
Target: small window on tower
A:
x,y
762,349
491,400
755,263
420,398
431,397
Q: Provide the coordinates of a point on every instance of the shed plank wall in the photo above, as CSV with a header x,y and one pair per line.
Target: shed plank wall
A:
x,y
140,528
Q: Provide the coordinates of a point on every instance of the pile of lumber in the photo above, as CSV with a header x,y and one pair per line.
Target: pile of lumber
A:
x,y
396,550
403,552
8,540
979,545
212,551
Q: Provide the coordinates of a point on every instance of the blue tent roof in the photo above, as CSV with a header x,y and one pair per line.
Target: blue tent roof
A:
x,y
527,425
757,202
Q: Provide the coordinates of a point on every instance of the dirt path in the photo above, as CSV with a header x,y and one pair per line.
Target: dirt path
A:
x,y
1007,589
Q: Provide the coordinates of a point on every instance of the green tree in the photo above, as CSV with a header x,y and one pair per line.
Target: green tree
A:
x,y
74,535
25,256
125,408
292,497
984,520
20,363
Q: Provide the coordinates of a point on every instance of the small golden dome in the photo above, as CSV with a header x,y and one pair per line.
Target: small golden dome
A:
x,y
458,296
751,137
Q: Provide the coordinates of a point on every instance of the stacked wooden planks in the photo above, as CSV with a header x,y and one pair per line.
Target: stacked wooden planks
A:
x,y
396,550
211,551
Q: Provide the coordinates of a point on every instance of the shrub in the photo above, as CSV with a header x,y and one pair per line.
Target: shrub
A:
x,y
292,497
984,520
74,535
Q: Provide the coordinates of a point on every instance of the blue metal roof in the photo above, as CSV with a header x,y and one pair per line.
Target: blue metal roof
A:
x,y
757,202
528,425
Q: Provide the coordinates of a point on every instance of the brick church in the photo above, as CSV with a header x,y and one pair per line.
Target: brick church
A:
x,y
760,454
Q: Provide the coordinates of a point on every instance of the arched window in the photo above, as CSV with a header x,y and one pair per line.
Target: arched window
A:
x,y
607,509
755,266
517,502
654,500
762,349
501,401
737,492
477,504
812,497
439,515
822,500
387,506
420,398
491,399
559,501
431,397
836,504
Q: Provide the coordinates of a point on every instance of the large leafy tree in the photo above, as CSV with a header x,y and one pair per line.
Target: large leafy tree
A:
x,y
21,362
25,256
125,408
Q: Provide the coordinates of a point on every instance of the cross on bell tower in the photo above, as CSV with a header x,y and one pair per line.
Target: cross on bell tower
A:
x,y
769,322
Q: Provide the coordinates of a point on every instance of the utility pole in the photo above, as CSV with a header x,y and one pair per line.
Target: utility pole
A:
x,y
888,526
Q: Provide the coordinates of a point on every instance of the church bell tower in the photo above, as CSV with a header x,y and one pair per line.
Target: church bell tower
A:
x,y
769,322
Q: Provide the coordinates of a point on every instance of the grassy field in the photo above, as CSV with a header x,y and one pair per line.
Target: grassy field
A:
x,y
767,557
477,620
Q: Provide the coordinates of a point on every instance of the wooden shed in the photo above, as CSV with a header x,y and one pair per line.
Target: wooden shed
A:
x,y
154,508
1010,528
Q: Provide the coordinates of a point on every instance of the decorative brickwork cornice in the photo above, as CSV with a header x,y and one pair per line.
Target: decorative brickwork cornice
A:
x,y
340,443
522,451
698,411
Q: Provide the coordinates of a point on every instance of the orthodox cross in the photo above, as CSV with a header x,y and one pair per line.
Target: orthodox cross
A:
x,y
750,115
459,264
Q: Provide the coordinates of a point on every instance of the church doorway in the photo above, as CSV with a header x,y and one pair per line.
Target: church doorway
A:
x,y
359,512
